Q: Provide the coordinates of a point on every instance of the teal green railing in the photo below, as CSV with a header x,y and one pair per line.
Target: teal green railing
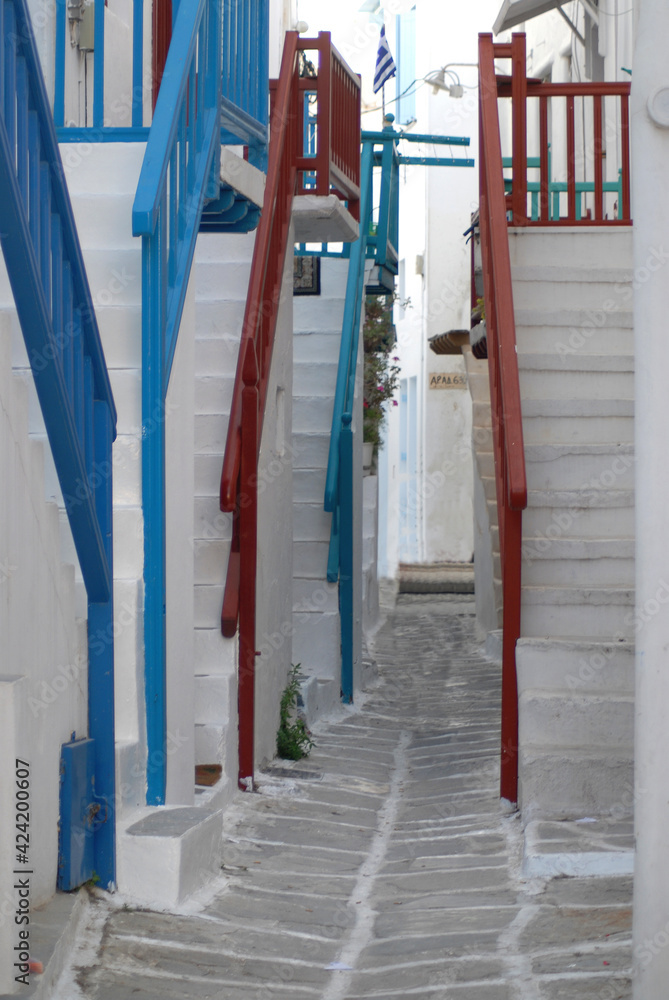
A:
x,y
558,188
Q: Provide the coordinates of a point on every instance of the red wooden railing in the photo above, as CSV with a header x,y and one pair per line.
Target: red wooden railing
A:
x,y
504,397
497,211
337,155
239,476
578,168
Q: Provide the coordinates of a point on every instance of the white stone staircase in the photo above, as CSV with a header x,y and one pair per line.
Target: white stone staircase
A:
x,y
221,276
316,623
572,300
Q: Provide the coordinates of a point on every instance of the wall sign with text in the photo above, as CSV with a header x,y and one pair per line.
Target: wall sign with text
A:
x,y
447,380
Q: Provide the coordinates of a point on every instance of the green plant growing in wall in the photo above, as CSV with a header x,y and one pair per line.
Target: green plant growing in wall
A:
x,y
293,740
381,375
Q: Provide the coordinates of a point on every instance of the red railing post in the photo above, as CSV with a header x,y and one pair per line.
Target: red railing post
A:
x,y
248,540
519,127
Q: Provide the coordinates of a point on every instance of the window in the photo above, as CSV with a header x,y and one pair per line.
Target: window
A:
x,y
406,66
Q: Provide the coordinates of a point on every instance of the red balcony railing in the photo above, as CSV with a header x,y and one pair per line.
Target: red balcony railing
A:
x,y
580,147
571,175
239,478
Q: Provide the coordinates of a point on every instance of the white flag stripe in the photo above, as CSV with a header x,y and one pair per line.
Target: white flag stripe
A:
x,y
385,64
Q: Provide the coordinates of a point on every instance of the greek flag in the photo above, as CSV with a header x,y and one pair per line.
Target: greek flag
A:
x,y
385,64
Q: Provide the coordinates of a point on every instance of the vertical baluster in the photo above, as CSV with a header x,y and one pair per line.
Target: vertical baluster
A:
x,y
56,275
99,65
34,187
59,86
10,75
2,49
172,235
625,210
67,334
183,153
200,80
598,153
571,160
544,173
45,230
77,342
191,127
22,130
88,428
137,63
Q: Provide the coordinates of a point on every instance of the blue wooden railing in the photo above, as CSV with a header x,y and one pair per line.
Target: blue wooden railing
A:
x,y
245,67
339,478
378,241
124,115
181,168
55,309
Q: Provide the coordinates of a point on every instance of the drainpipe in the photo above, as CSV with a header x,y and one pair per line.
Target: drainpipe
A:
x,y
650,210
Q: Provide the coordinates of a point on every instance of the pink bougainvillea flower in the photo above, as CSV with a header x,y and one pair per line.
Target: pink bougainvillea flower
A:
x,y
395,403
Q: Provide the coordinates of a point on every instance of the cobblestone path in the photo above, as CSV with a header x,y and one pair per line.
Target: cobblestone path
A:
x,y
382,866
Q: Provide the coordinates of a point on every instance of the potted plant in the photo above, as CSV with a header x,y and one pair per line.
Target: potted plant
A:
x,y
381,373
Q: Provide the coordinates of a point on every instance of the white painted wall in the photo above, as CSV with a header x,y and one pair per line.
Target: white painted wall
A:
x,y
274,587
44,662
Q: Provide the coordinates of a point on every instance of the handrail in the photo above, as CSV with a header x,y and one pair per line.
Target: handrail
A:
x,y
55,310
239,479
240,463
180,170
507,423
348,348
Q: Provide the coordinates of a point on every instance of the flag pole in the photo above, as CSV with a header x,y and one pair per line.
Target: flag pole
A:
x,y
383,101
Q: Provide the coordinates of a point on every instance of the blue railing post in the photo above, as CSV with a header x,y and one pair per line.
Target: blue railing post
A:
x,y
346,560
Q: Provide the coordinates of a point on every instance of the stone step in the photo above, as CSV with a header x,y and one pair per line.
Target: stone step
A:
x,y
314,598
581,421
224,248
207,605
579,466
103,216
217,356
312,413
600,612
591,381
576,720
585,665
571,332
585,562
222,284
310,559
311,450
571,246
211,431
585,513
436,578
220,320
311,313
317,643
311,523
209,521
314,378
547,288
309,484
213,394
156,847
571,784
215,698
317,347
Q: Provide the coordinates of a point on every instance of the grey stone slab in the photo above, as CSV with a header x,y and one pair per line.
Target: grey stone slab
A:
x,y
553,928
611,987
439,972
609,891
416,883
613,960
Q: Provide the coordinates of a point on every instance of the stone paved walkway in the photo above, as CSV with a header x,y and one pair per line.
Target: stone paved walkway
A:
x,y
382,866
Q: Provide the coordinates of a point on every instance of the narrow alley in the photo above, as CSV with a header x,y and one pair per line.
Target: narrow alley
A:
x,y
380,866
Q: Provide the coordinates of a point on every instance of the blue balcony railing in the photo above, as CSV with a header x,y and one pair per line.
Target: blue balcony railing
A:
x,y
92,104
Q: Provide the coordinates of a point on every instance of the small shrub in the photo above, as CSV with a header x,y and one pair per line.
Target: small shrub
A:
x,y
293,740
